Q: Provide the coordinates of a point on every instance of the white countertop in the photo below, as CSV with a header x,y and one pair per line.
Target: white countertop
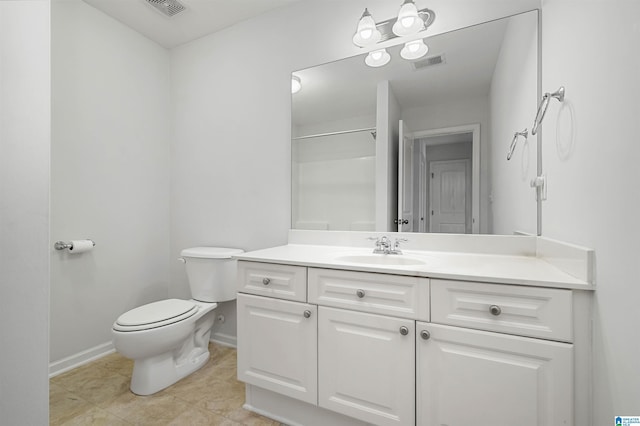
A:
x,y
495,268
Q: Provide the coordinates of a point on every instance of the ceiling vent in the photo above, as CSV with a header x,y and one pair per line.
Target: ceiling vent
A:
x,y
428,62
168,8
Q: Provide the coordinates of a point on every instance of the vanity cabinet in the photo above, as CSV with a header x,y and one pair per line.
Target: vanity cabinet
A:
x,y
401,350
366,366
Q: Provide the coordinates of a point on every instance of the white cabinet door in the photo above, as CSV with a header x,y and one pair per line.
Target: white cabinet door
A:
x,y
277,346
366,366
471,377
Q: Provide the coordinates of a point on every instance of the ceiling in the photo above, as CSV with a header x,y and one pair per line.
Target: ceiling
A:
x,y
200,18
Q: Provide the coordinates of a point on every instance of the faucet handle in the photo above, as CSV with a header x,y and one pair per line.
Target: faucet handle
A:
x,y
396,244
400,240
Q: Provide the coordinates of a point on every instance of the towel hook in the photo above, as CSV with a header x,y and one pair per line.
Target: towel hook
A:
x,y
512,147
544,104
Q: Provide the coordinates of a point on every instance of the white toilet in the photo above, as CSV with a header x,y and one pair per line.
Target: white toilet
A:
x,y
169,339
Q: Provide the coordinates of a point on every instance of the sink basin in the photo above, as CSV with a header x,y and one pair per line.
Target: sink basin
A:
x,y
381,259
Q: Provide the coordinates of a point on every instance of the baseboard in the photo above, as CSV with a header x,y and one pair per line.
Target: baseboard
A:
x,y
81,358
224,339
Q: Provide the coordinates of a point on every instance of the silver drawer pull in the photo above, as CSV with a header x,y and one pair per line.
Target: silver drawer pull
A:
x,y
425,334
266,281
495,310
307,314
360,293
404,330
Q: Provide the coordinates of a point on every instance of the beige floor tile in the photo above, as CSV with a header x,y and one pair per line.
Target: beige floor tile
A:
x,y
97,384
221,401
200,417
96,417
65,405
116,363
154,409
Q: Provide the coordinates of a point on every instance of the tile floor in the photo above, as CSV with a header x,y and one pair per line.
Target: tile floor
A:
x,y
98,394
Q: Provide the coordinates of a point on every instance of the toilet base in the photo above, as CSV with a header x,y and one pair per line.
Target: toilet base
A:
x,y
151,375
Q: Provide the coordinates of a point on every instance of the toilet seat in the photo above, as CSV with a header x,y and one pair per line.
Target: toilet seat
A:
x,y
156,314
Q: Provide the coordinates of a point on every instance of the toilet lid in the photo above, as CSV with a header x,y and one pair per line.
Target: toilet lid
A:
x,y
211,252
156,314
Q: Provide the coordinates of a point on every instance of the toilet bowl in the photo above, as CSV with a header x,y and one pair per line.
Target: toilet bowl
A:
x,y
169,339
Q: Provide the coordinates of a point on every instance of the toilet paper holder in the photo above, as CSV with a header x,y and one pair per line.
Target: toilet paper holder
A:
x,y
61,245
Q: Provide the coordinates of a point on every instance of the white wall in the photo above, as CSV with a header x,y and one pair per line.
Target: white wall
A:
x,y
513,106
24,211
591,154
109,174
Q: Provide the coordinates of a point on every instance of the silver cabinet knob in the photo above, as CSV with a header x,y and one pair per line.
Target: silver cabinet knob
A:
x,y
425,334
404,330
360,293
495,310
307,314
266,281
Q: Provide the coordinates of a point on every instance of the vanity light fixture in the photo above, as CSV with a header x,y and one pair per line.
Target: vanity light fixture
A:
x,y
414,49
408,21
366,33
377,58
296,84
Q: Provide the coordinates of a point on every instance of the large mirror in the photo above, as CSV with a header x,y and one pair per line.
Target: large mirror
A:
x,y
421,146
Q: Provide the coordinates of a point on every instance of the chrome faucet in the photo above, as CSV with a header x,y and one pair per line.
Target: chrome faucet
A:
x,y
383,245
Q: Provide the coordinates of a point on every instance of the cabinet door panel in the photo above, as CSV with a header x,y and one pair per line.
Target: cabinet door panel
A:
x,y
277,346
366,366
471,377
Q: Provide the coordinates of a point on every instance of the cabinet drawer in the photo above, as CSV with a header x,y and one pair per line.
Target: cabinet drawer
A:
x,y
396,295
523,311
268,279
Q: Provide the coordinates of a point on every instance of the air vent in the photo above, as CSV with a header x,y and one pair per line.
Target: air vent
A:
x,y
428,62
167,7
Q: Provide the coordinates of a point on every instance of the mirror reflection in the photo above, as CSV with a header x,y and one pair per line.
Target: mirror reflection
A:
x,y
420,146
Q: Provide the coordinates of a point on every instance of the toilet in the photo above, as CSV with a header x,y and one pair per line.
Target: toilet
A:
x,y
169,339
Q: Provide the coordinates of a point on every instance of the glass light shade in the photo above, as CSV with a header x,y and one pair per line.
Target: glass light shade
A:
x,y
414,49
366,33
296,84
409,22
377,58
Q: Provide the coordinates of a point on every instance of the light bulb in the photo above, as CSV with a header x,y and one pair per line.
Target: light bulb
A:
x,y
296,84
414,49
366,33
377,58
408,22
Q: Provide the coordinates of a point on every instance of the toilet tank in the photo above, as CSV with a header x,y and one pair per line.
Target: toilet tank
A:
x,y
211,272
